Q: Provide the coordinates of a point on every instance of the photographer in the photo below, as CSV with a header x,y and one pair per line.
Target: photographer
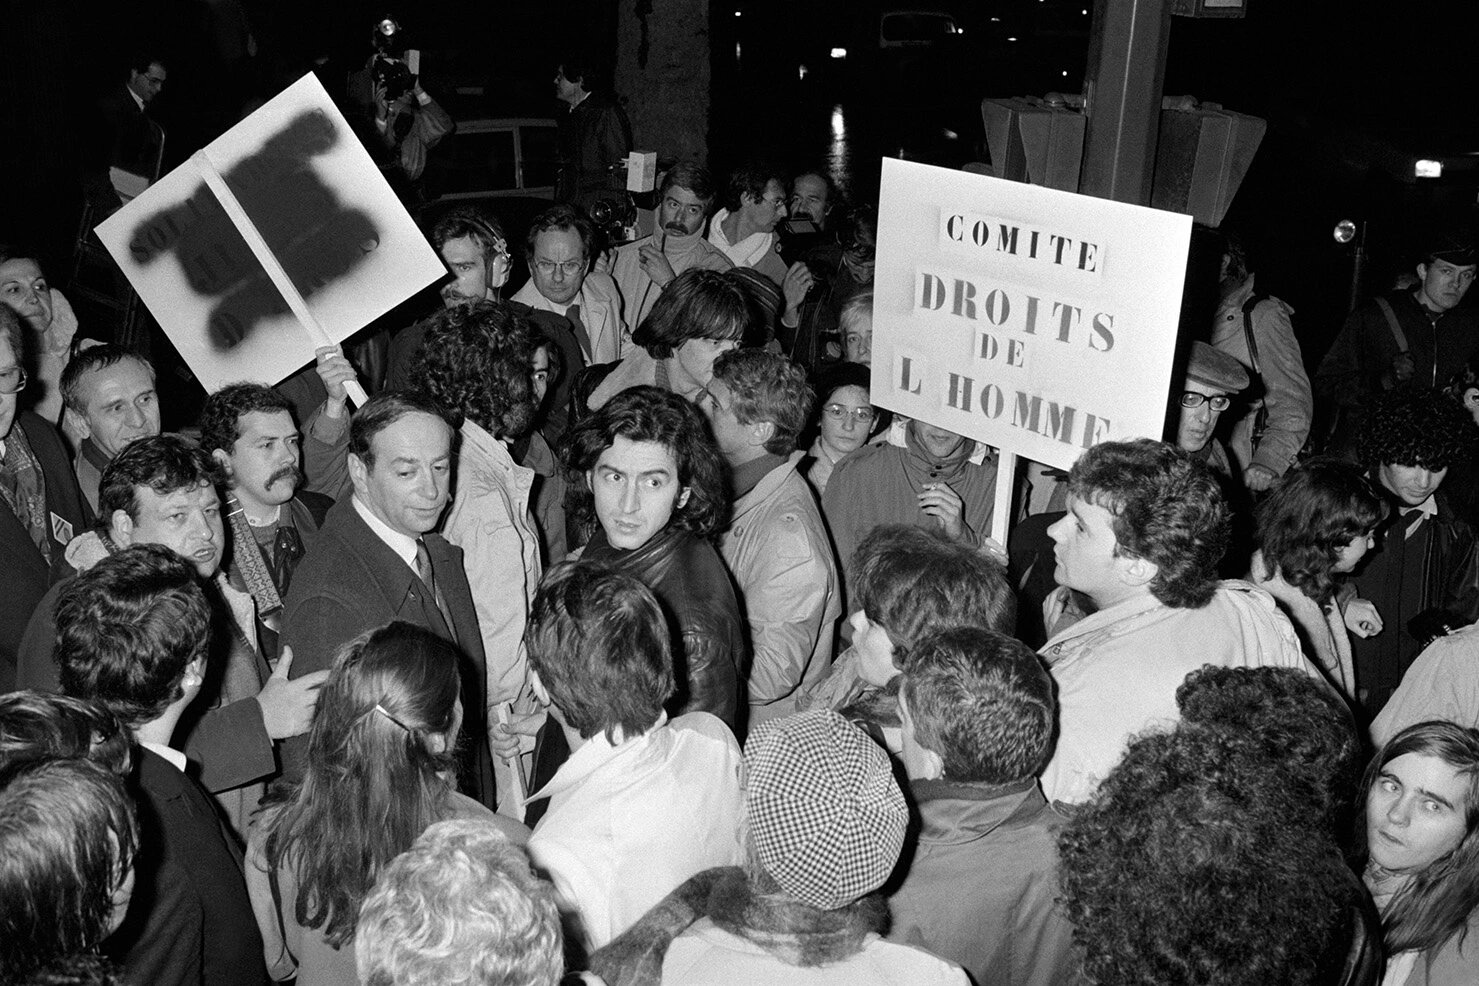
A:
x,y
408,121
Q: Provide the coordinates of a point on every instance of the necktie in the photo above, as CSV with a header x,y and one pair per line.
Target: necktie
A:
x,y
581,335
429,577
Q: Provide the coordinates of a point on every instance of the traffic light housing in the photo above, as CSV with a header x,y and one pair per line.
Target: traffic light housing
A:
x,y
1202,154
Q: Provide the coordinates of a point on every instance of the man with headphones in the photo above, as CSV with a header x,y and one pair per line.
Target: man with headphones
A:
x,y
472,245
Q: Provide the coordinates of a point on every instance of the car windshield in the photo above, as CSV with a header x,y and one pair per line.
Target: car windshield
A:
x,y
916,27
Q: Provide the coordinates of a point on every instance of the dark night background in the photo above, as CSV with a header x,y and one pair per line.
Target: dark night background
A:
x,y
1345,85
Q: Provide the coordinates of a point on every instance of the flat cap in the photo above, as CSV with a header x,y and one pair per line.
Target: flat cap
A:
x,y
1214,368
826,817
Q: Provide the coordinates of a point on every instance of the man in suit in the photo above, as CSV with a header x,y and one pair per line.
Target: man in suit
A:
x,y
133,632
376,560
560,280
41,507
125,137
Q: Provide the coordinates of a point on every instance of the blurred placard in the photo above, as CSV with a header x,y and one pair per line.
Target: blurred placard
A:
x,y
1038,321
304,182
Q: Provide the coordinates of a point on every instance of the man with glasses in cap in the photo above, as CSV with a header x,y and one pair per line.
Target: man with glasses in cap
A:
x,y
1213,381
41,505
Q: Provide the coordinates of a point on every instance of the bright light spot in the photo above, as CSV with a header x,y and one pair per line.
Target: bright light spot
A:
x,y
839,52
996,20
1011,39
801,72
957,29
737,13
736,51
1084,12
839,125
1065,73
949,134
1429,169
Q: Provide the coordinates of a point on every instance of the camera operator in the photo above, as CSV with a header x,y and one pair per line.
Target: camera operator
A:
x,y
408,121
837,270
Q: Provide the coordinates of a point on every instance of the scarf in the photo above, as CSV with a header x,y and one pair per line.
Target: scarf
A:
x,y
265,580
23,488
750,906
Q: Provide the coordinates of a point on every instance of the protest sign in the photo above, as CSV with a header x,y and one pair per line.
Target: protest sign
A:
x,y
279,237
1038,321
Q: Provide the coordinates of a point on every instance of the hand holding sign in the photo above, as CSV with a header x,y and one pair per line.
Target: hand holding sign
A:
x,y
279,238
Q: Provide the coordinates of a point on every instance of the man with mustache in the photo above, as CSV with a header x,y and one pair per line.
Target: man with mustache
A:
x,y
248,429
643,268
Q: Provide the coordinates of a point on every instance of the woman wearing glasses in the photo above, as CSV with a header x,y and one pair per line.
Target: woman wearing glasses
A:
x,y
380,770
844,422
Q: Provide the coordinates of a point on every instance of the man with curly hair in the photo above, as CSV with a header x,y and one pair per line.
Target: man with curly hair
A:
x,y
1422,581
477,364
1138,552
1196,863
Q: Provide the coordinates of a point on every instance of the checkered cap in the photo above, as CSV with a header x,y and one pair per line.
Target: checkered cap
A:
x,y
825,816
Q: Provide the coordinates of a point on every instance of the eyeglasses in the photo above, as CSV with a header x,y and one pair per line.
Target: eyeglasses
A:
x,y
1193,399
862,415
568,268
12,380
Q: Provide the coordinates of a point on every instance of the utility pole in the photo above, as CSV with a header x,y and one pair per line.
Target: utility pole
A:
x,y
1122,97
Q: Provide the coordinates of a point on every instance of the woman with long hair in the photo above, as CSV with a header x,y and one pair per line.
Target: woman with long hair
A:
x,y
380,770
1314,527
1422,841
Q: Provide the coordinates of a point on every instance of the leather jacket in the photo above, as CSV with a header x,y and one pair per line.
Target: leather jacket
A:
x,y
689,579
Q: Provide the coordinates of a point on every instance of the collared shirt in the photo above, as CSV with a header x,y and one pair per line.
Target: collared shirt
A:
x,y
1428,508
399,543
138,100
628,822
175,757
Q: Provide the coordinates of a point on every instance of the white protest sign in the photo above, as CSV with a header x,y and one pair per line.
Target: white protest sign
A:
x,y
1038,321
304,245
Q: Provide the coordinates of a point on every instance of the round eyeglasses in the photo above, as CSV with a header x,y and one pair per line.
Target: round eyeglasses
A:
x,y
862,415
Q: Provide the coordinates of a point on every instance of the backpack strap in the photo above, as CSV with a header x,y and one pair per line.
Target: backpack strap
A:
x,y
1396,327
1248,306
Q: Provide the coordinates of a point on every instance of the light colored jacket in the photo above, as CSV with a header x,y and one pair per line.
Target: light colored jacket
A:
x,y
600,313
1443,683
490,521
706,955
627,823
1287,386
1117,672
778,550
638,291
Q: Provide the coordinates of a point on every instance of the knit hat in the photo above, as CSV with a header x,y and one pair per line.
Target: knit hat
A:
x,y
1214,368
826,818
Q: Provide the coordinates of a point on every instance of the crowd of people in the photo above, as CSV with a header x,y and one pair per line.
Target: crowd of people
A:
x,y
620,636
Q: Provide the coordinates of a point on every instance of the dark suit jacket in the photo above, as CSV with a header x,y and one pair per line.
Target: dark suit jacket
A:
x,y
353,582
27,576
229,742
190,920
